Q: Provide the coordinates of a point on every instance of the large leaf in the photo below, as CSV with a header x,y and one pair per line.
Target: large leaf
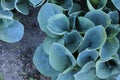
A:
x,y
110,48
94,38
99,18
87,72
12,33
96,4
114,15
43,16
116,3
84,24
22,6
7,4
87,56
112,30
60,58
58,24
73,39
65,4
105,69
36,2
41,61
66,76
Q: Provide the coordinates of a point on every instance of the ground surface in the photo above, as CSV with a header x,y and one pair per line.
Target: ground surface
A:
x,y
16,59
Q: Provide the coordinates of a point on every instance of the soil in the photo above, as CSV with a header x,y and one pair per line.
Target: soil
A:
x,y
16,59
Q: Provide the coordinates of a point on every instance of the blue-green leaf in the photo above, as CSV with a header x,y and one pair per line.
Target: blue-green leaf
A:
x,y
114,15
75,8
49,41
66,76
22,7
36,2
73,39
87,72
7,4
110,48
87,56
58,24
112,30
116,3
84,24
65,4
41,61
98,16
12,33
43,16
96,4
60,58
106,69
94,38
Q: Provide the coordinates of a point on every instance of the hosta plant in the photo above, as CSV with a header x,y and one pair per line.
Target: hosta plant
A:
x,y
82,41
11,30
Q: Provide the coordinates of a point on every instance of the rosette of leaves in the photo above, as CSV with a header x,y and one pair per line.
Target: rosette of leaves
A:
x,y
79,45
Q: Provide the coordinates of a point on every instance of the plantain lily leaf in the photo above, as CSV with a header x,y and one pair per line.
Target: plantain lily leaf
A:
x,y
65,4
49,41
37,2
58,24
66,76
116,3
73,39
87,72
12,33
22,7
110,48
94,38
87,56
112,30
7,4
75,8
60,58
105,69
97,18
43,16
114,15
41,61
84,24
96,4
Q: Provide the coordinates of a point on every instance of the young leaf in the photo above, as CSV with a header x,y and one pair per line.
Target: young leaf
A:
x,y
112,30
87,56
97,17
87,72
96,4
75,8
66,76
94,38
12,33
36,2
22,7
60,58
84,24
65,4
43,16
114,15
105,69
116,3
7,4
41,61
109,48
58,24
73,39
